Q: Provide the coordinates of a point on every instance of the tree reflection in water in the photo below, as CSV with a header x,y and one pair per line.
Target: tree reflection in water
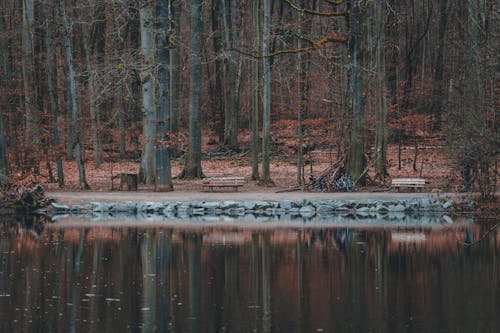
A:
x,y
242,279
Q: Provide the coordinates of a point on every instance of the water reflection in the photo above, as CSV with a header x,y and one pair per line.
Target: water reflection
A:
x,y
216,279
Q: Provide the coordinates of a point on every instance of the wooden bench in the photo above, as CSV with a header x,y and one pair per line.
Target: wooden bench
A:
x,y
408,182
223,182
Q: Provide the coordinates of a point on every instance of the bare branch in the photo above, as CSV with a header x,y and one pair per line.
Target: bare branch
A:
x,y
330,38
317,12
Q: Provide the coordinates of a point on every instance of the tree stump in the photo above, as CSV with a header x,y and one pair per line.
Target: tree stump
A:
x,y
128,181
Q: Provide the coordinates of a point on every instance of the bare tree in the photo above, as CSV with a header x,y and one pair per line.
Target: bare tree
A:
x,y
255,91
193,169
229,12
162,147
51,87
266,92
75,137
148,105
32,134
381,109
356,160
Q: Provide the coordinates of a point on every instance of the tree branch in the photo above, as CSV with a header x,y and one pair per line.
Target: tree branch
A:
x,y
317,12
332,37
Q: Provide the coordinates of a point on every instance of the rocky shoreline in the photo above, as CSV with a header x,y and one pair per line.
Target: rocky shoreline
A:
x,y
433,209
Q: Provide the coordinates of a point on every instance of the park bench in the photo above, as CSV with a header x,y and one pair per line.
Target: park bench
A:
x,y
223,182
408,183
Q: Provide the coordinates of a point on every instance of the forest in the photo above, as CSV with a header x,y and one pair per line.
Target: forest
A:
x,y
153,81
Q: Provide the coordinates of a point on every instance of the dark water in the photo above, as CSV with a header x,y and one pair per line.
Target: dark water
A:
x,y
240,279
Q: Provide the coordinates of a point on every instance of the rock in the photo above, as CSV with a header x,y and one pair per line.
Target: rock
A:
x,y
249,205
170,209
229,204
324,210
287,205
77,209
263,204
123,208
279,211
448,204
59,208
99,207
447,219
396,208
210,205
198,211
58,217
307,211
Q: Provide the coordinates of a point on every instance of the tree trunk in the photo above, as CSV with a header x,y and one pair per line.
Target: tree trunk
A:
x,y
5,72
73,98
438,90
32,134
51,87
301,77
218,94
192,168
356,161
92,97
380,97
476,93
175,67
303,88
4,165
163,169
231,107
266,92
147,80
255,91
121,119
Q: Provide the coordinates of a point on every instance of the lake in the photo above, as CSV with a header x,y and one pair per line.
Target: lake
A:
x,y
82,276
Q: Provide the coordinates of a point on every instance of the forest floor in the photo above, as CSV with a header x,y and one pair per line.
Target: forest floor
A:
x,y
431,165
430,160
441,179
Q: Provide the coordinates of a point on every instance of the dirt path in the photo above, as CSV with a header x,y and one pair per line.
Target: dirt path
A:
x,y
84,197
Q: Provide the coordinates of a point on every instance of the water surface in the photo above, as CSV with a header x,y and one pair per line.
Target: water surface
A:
x,y
185,278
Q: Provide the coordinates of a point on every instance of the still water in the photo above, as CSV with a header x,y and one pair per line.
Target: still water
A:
x,y
164,278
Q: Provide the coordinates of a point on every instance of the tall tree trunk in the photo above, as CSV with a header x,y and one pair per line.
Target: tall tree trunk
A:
x,y
218,95
255,91
304,28
4,164
231,107
356,161
121,118
92,97
73,98
147,80
51,87
301,77
380,97
192,168
163,169
438,89
32,134
175,66
476,92
266,92
5,74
